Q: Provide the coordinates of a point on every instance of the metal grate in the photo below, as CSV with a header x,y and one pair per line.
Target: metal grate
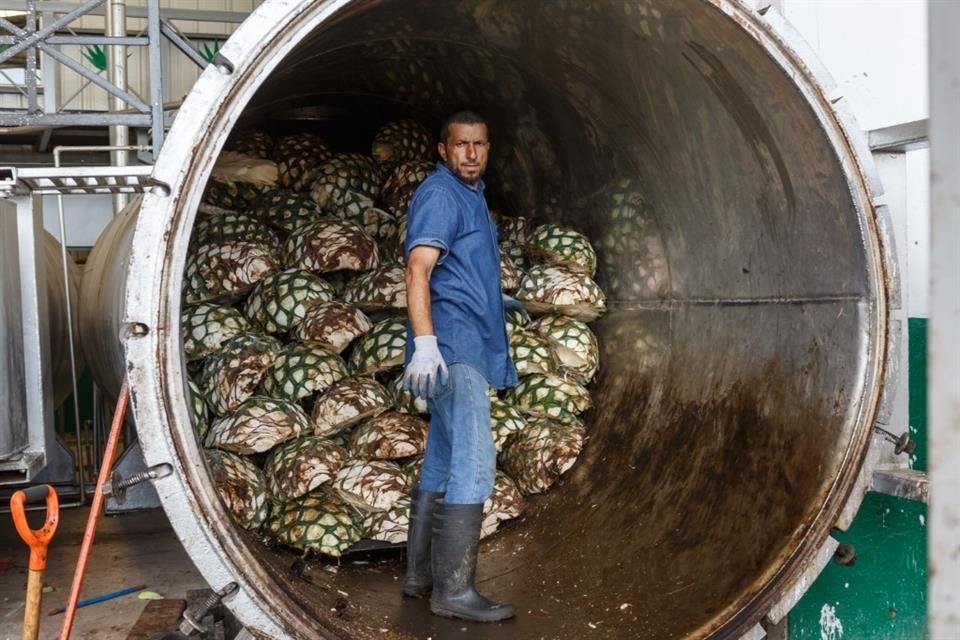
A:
x,y
74,180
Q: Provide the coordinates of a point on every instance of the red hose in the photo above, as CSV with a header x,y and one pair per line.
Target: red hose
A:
x,y
95,507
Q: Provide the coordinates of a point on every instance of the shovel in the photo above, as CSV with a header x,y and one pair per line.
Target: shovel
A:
x,y
37,540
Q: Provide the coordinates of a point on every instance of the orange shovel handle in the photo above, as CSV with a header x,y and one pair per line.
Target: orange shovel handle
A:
x,y
36,539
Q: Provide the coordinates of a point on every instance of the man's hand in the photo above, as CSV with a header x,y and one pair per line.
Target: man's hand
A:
x,y
426,370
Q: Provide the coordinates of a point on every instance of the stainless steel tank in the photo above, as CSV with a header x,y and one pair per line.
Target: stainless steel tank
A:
x,y
57,310
14,436
744,354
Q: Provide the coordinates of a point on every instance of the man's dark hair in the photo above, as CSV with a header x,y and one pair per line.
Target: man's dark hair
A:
x,y
460,117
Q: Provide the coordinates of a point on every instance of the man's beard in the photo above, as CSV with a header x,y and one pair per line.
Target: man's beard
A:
x,y
463,178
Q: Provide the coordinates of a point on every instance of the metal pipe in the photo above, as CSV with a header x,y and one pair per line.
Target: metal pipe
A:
x,y
51,89
96,507
70,337
181,43
116,13
98,147
14,120
31,70
97,424
132,41
157,77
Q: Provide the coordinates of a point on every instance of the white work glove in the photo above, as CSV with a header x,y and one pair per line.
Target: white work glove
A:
x,y
427,371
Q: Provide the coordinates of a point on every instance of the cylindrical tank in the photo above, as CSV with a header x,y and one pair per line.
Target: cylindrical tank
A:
x,y
100,309
57,313
745,346
13,434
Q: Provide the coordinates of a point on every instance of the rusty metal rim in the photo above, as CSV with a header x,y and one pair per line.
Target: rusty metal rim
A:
x,y
156,374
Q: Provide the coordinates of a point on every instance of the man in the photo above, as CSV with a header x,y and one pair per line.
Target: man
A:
x,y
456,347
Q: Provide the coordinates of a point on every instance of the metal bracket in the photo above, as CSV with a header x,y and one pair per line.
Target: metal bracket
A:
x,y
21,468
193,619
901,138
902,483
901,444
118,485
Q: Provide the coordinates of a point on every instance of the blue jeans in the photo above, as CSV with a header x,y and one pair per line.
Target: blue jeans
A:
x,y
461,459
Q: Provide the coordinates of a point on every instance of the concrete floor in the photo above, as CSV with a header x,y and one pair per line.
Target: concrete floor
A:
x,y
129,550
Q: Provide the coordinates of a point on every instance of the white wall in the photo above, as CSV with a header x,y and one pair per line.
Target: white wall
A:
x,y
916,276
876,51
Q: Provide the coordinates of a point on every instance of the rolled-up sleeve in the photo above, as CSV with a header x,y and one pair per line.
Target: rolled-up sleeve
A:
x,y
433,221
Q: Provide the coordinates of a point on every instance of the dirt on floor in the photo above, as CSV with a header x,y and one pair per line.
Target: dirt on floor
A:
x,y
129,550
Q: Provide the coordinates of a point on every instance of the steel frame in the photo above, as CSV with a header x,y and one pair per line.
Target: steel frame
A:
x,y
198,15
40,435
889,146
33,39
73,180
43,32
23,188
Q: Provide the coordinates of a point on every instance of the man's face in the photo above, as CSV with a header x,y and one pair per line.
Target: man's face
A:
x,y
465,151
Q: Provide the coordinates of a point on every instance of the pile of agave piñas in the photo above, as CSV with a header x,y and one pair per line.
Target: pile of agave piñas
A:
x,y
293,329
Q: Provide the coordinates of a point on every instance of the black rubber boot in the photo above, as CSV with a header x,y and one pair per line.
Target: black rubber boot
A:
x,y
419,579
456,538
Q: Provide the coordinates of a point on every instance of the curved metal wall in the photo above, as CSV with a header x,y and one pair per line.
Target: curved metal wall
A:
x,y
745,347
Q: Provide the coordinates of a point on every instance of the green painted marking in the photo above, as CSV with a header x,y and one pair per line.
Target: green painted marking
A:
x,y
882,596
917,336
96,56
209,50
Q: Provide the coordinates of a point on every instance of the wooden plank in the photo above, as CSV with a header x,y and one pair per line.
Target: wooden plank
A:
x,y
157,616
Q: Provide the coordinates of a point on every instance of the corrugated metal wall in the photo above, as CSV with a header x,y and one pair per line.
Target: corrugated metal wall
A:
x,y
76,93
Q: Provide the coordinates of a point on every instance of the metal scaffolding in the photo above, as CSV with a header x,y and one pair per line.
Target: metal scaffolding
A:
x,y
45,24
35,42
34,39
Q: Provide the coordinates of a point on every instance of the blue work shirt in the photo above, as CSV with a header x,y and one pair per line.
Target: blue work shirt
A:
x,y
466,299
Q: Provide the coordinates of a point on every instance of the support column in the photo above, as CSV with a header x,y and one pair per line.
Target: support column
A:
x,y
116,14
36,331
944,329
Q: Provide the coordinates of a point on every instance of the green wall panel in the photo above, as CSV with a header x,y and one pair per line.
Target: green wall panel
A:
x,y
882,596
917,331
